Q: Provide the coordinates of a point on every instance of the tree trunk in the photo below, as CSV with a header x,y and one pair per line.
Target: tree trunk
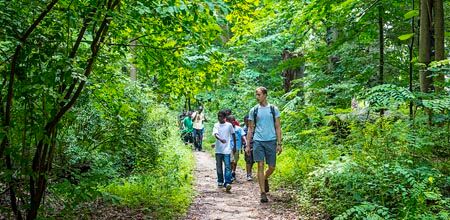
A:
x,y
43,157
411,67
425,44
381,42
291,74
9,106
439,32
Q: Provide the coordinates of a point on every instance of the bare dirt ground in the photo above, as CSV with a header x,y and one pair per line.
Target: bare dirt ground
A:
x,y
243,202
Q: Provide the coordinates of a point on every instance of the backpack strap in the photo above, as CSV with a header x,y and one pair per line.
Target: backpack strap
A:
x,y
255,114
272,110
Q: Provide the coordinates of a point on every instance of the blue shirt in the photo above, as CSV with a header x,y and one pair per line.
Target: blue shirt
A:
x,y
239,132
265,127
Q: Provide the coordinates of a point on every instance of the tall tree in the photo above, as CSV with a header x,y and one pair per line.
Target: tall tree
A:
x,y
425,37
439,33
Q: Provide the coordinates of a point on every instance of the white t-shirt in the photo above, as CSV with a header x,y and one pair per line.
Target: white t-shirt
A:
x,y
224,131
198,119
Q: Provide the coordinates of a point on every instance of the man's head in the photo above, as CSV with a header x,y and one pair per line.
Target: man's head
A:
x,y
200,108
221,115
261,94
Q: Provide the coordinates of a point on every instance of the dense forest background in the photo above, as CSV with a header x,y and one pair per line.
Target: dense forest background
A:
x,y
91,91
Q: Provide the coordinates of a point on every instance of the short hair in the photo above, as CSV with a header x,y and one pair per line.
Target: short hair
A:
x,y
222,113
230,118
262,89
245,117
227,111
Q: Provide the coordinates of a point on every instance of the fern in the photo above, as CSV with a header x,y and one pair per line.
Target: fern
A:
x,y
388,95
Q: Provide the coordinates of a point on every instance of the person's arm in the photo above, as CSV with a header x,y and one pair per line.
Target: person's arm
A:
x,y
244,140
251,127
279,137
234,141
216,133
223,141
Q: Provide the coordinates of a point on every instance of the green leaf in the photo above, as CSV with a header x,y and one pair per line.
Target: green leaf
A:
x,y
406,36
411,14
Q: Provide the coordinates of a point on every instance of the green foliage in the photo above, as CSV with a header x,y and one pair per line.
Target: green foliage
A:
x,y
165,189
388,95
366,211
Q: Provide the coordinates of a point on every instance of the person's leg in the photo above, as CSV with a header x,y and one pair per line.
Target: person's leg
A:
x,y
236,161
233,171
258,156
219,169
186,138
249,164
195,133
191,138
261,177
248,168
200,139
269,172
271,156
227,162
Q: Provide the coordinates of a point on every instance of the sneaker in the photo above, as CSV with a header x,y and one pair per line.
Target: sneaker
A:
x,y
264,198
266,185
249,177
219,185
228,188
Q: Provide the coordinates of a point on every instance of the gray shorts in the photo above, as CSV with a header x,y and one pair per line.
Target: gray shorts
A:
x,y
267,150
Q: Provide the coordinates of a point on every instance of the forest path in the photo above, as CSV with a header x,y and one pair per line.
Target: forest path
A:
x,y
212,202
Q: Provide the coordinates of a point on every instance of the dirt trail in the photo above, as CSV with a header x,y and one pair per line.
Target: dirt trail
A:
x,y
212,202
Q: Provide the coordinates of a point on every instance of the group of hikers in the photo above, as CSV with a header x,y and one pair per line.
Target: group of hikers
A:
x,y
260,138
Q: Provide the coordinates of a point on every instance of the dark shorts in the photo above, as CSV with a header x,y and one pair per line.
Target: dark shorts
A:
x,y
188,138
265,151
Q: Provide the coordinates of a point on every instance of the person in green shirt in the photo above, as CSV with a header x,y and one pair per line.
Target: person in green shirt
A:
x,y
188,128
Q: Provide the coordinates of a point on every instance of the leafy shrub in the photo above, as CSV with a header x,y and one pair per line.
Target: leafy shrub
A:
x,y
165,189
379,170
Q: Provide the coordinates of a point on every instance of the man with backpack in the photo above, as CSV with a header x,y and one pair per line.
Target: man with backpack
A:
x,y
265,131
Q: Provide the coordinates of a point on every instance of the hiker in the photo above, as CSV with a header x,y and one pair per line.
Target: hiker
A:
x,y
265,130
223,132
181,118
248,156
187,129
228,112
240,139
198,117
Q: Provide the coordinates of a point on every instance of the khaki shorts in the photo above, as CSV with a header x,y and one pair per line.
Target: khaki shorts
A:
x,y
235,157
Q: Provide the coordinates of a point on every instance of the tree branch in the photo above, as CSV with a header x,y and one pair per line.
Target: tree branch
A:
x,y
38,20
